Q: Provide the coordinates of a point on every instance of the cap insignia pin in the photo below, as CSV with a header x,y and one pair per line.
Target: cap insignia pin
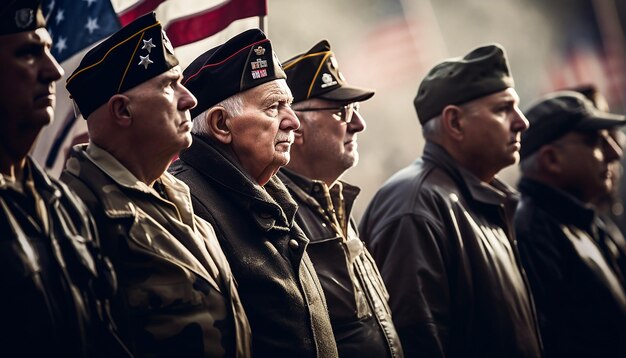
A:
x,y
148,45
260,51
145,61
24,18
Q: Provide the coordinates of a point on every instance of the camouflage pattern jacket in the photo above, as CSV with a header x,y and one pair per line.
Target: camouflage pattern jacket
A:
x,y
177,296
267,252
355,292
55,283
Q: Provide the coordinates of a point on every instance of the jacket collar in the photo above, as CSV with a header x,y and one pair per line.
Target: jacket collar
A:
x,y
291,178
217,163
565,207
494,193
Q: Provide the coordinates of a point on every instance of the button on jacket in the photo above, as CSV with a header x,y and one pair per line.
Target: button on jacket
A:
x,y
573,268
355,292
177,296
444,243
266,249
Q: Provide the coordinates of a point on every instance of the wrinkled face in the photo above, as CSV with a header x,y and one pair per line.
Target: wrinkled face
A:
x,y
160,114
27,87
586,159
263,133
493,126
328,138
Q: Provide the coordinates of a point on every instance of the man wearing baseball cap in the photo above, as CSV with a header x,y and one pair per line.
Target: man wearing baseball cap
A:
x,y
177,296
324,147
243,130
441,229
571,259
55,282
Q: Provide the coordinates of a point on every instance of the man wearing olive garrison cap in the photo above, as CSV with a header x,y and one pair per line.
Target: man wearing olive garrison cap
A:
x,y
441,230
574,265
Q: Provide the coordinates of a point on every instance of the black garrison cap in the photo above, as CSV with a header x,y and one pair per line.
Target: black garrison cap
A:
x,y
315,74
558,113
481,72
243,62
20,15
135,54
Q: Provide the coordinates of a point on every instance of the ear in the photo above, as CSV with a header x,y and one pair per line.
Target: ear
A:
x,y
550,159
119,109
452,123
219,124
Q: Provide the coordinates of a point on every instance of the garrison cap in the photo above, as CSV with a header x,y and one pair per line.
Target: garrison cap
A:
x,y
558,113
135,54
315,74
481,72
20,16
243,62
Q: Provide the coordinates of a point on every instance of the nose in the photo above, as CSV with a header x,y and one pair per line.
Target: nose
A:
x,y
357,123
289,120
186,99
519,122
51,70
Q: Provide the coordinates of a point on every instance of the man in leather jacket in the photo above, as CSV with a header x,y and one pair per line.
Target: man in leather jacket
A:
x,y
441,228
55,282
574,264
177,296
243,128
325,146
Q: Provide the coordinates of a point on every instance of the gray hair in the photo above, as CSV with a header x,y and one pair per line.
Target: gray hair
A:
x,y
233,106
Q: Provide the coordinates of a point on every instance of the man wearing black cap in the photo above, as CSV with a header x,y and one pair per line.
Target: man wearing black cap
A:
x,y
53,278
441,229
177,294
243,129
571,260
324,148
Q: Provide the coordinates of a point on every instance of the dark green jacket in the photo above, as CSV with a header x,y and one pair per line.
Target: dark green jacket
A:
x,y
177,297
266,250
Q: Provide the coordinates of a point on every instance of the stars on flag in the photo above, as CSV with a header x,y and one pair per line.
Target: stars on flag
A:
x,y
92,24
78,24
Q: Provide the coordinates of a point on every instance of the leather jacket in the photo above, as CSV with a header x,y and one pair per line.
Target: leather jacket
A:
x,y
355,292
573,266
444,243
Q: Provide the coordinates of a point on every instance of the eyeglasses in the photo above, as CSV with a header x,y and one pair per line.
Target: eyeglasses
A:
x,y
343,113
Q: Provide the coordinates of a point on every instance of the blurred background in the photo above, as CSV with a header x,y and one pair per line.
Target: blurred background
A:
x,y
386,45
389,45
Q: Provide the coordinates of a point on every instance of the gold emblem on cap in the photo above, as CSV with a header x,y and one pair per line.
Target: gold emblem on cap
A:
x,y
24,18
148,45
145,61
167,43
260,51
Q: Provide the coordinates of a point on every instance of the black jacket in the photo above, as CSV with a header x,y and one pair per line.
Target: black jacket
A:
x,y
444,243
355,292
266,250
572,265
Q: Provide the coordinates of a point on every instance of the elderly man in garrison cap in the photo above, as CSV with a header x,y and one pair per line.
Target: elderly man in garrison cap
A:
x,y
243,129
573,263
177,294
441,229
324,148
54,280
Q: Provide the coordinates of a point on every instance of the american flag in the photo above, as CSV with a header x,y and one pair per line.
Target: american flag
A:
x,y
192,26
